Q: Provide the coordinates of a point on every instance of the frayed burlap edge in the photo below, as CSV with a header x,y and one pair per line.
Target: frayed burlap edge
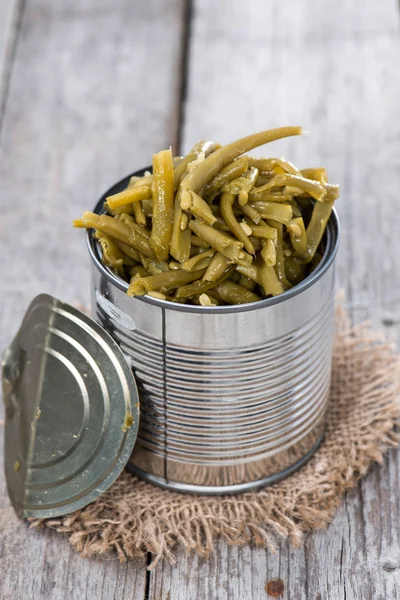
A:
x,y
134,517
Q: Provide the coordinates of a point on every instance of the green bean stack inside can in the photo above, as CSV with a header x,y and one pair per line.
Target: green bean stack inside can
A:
x,y
217,226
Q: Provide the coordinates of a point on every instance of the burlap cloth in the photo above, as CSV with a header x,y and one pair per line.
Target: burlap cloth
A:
x,y
134,517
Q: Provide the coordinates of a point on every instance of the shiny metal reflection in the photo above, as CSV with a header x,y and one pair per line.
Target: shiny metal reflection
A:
x,y
232,397
67,391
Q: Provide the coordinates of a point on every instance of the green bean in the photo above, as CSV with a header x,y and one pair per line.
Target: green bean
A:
x,y
218,240
180,239
138,270
231,171
233,293
199,287
298,235
280,263
252,272
315,189
251,213
332,192
163,282
163,204
197,242
269,280
318,174
118,231
295,270
266,232
296,209
316,228
154,266
227,201
247,283
147,208
217,267
268,253
139,214
180,170
283,213
216,161
126,208
130,252
128,196
197,206
201,261
130,221
268,196
112,256
242,185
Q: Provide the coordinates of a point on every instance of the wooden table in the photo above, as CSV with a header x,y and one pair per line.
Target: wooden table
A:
x,y
89,89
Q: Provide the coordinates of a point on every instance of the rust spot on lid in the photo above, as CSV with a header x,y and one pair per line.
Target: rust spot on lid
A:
x,y
275,588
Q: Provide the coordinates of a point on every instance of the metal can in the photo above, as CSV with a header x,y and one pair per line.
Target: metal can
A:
x,y
232,397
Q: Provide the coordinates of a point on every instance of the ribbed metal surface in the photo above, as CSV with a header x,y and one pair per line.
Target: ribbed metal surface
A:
x,y
229,400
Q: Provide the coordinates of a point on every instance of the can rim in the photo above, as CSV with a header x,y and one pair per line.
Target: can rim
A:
x,y
332,245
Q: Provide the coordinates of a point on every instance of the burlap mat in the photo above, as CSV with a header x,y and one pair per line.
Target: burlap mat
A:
x,y
134,517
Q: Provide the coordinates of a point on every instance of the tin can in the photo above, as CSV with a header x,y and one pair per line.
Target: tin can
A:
x,y
232,397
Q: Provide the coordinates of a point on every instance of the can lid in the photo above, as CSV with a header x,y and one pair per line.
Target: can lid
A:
x,y
72,410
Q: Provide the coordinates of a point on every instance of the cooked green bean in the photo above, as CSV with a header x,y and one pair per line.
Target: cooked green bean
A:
x,y
295,270
266,232
280,263
200,261
154,266
138,270
283,213
247,282
216,226
131,194
268,253
130,221
269,280
298,236
227,201
318,174
314,188
216,161
118,231
231,171
139,214
197,206
128,250
251,213
217,267
242,185
316,228
269,196
112,256
163,204
180,238
233,293
252,272
199,287
163,282
220,241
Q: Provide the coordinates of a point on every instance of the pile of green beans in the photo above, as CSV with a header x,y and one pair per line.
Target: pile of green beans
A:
x,y
217,226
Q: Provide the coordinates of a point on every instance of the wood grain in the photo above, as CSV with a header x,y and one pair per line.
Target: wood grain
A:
x,y
93,91
332,67
9,10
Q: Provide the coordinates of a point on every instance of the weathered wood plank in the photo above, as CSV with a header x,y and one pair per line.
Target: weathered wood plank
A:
x,y
332,67
87,103
8,14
